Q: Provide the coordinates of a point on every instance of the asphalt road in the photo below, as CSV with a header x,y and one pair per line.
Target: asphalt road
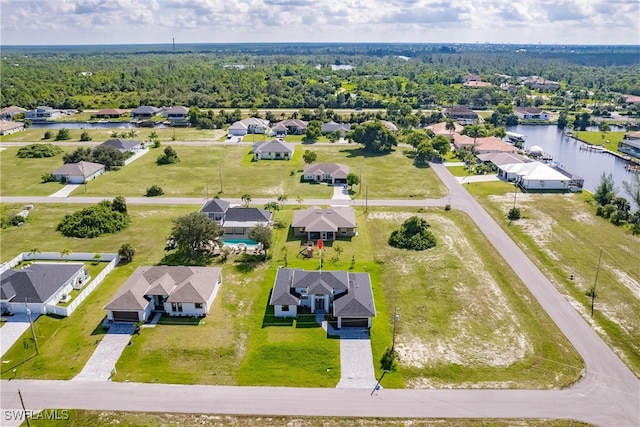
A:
x,y
608,394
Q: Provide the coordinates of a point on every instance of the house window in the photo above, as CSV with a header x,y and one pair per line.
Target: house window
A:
x,y
198,305
285,308
176,306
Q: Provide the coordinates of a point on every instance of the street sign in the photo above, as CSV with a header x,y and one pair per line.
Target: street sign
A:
x,y
320,244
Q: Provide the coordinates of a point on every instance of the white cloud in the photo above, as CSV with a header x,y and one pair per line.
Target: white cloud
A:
x,y
497,21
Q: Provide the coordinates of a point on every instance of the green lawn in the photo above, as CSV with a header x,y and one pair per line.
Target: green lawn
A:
x,y
607,139
563,237
197,174
23,176
99,135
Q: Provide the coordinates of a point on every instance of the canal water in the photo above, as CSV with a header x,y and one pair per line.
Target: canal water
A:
x,y
566,151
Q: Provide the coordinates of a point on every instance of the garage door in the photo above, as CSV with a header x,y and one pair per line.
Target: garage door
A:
x,y
125,316
356,322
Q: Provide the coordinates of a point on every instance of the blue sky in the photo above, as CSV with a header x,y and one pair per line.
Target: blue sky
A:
x,y
228,21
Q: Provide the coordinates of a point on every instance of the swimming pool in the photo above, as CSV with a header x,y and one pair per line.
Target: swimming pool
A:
x,y
250,244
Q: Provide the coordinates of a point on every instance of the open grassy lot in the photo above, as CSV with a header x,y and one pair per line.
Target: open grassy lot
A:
x,y
23,176
607,139
67,343
101,134
197,174
564,237
81,418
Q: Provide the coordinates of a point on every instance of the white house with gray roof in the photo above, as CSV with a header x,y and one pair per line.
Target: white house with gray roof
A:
x,y
78,173
122,145
249,125
172,291
273,150
236,221
39,285
327,224
347,297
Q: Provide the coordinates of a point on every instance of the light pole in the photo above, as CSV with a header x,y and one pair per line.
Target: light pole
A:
x,y
377,387
396,317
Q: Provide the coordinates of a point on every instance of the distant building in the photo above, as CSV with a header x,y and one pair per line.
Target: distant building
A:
x,y
111,113
7,128
464,115
42,113
530,113
7,113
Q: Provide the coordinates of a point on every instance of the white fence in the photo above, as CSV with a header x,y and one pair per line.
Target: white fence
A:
x,y
113,259
137,155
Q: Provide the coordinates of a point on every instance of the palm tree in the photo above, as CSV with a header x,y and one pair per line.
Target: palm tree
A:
x,y
450,126
65,252
246,199
34,252
282,199
475,131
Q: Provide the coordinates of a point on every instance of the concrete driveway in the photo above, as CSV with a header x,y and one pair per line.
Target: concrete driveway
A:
x,y
103,360
340,192
13,329
65,191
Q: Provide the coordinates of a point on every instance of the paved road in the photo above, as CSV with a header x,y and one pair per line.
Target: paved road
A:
x,y
608,394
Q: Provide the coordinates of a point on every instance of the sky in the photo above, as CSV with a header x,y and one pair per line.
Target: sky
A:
x,y
68,22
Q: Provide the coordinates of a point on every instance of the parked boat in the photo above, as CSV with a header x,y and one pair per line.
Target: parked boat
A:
x,y
516,138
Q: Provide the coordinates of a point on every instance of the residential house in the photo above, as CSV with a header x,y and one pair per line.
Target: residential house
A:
x,y
8,127
273,150
290,127
464,115
38,285
441,129
327,224
534,176
499,158
122,145
629,100
42,113
489,144
7,113
249,125
171,291
341,128
474,80
333,173
530,113
393,128
630,144
78,173
537,82
145,112
111,113
347,297
177,115
236,221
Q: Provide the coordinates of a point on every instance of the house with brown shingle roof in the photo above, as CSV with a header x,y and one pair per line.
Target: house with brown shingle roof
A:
x,y
171,291
489,144
333,173
463,114
327,224
111,113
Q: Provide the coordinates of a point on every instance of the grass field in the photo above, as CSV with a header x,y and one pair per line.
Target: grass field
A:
x,y
82,418
99,135
564,237
607,139
24,176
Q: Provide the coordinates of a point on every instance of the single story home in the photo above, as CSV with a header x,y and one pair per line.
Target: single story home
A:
x,y
628,100
489,144
347,297
111,113
333,173
145,112
122,145
42,113
236,221
332,126
273,150
291,127
327,224
172,291
462,114
78,173
177,115
537,82
499,159
7,113
249,125
441,129
8,127
534,176
630,144
530,113
37,285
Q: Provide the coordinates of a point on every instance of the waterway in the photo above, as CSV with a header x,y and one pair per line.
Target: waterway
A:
x,y
566,151
85,125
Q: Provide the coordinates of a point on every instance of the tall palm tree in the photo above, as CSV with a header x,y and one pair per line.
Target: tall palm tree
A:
x,y
246,199
34,252
450,126
65,252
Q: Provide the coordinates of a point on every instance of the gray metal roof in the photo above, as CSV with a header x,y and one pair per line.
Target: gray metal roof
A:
x,y
241,214
330,219
282,293
215,206
81,168
121,145
38,282
273,146
358,301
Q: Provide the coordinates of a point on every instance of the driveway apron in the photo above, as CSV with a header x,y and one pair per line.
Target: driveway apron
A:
x,y
103,360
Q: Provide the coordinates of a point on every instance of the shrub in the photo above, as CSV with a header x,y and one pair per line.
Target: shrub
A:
x,y
154,190
93,221
47,177
63,135
48,135
126,252
413,234
169,157
36,151
85,136
156,144
514,214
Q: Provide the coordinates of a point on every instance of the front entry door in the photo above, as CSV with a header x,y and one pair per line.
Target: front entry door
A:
x,y
320,304
324,235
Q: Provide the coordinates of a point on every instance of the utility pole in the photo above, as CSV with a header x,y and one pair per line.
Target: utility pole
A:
x,y
366,198
360,181
24,410
396,317
33,333
377,387
593,291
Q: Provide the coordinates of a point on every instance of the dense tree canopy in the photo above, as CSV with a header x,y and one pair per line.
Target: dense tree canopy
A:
x,y
375,136
105,217
413,234
193,232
